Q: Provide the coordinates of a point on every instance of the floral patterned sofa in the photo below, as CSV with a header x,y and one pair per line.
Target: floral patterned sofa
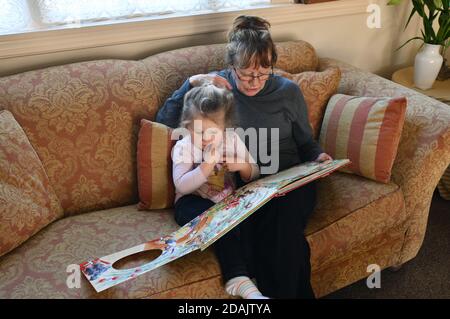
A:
x,y
82,120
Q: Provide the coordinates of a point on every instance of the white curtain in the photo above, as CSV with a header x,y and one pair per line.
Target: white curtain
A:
x,y
14,15
19,15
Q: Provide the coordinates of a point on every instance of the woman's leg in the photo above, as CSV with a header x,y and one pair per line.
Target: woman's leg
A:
x,y
281,254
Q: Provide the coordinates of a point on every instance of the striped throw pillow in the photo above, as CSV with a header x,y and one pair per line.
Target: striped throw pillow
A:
x,y
154,166
365,130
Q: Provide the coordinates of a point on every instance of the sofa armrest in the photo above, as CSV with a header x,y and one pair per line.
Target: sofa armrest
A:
x,y
424,149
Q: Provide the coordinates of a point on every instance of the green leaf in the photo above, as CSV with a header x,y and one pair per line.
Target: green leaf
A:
x,y
394,2
429,31
445,5
410,16
438,3
444,27
418,6
430,5
415,38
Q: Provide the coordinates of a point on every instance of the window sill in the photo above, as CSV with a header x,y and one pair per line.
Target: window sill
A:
x,y
148,29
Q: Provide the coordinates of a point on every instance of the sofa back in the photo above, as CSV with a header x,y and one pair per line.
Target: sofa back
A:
x,y
83,118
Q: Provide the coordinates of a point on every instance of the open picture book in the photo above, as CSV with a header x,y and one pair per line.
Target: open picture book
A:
x,y
208,227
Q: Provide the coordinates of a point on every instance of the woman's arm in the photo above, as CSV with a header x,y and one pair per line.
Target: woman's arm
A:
x,y
169,114
309,149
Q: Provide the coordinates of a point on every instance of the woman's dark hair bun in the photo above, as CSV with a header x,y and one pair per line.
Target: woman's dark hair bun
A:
x,y
250,42
250,22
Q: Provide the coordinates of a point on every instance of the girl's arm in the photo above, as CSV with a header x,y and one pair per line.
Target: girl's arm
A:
x,y
186,179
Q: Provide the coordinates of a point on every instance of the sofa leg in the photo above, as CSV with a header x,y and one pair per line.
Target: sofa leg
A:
x,y
395,268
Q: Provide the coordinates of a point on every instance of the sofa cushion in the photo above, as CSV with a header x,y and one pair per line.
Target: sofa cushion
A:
x,y
351,211
317,88
366,130
82,119
38,268
361,211
154,166
27,201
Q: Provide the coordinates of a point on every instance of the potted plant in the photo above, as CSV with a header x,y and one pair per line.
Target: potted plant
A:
x,y
428,61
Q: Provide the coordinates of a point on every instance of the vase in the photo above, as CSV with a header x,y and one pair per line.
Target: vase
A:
x,y
427,65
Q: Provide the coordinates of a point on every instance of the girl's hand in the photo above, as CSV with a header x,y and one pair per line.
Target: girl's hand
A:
x,y
323,157
217,80
211,157
211,154
233,164
235,167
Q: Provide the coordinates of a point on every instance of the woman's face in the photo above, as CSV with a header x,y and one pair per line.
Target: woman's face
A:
x,y
251,80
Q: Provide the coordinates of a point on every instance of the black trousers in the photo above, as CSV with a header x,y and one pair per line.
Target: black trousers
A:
x,y
269,246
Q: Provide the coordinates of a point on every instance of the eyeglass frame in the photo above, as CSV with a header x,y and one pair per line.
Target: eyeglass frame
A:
x,y
253,77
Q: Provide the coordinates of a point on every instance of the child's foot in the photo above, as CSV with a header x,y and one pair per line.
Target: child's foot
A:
x,y
242,286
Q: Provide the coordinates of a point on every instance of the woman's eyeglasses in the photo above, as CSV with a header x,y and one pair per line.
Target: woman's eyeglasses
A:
x,y
248,77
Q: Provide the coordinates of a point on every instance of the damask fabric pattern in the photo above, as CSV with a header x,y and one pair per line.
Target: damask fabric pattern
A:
x,y
82,119
424,149
317,88
27,201
38,267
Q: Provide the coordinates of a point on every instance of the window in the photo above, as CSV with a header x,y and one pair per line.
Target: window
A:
x,y
24,15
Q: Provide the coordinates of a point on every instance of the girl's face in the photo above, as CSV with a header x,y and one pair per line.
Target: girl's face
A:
x,y
205,131
251,80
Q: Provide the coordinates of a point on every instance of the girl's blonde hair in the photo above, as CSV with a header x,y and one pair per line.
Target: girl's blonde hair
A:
x,y
206,101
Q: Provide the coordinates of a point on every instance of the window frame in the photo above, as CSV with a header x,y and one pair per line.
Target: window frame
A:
x,y
117,32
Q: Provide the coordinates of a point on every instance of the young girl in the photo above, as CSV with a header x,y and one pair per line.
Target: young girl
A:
x,y
204,163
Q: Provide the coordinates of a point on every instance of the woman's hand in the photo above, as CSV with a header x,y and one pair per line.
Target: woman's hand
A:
x,y
217,80
323,157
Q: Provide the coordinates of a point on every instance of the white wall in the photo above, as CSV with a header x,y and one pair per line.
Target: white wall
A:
x,y
343,37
